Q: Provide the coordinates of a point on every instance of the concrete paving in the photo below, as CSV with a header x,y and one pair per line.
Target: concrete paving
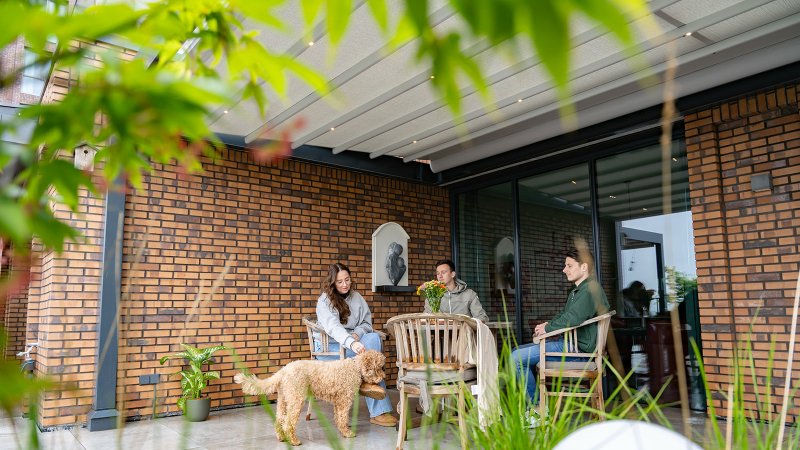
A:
x,y
252,428
232,429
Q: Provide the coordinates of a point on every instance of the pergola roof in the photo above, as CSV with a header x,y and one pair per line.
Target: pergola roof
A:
x,y
382,101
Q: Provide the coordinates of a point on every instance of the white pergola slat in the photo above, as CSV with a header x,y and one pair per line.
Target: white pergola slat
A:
x,y
381,101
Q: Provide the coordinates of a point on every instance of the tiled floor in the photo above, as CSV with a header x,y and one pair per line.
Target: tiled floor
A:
x,y
245,429
235,429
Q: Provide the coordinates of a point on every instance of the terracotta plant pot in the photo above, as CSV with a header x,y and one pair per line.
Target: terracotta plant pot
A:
x,y
197,410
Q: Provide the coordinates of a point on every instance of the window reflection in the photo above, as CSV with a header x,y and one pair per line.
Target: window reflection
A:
x,y
652,269
486,249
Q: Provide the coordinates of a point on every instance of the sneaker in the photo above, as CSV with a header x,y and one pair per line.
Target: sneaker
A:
x,y
531,419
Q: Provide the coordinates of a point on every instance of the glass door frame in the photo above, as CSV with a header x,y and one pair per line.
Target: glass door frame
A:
x,y
586,155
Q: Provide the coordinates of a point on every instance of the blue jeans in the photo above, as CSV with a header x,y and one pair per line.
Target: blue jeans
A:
x,y
526,357
372,341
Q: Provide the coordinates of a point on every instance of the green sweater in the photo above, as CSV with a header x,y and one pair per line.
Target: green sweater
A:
x,y
585,301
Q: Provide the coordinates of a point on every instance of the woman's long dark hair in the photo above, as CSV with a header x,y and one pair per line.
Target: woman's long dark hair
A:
x,y
329,289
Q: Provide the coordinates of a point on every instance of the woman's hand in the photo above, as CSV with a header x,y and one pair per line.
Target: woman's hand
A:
x,y
355,336
358,347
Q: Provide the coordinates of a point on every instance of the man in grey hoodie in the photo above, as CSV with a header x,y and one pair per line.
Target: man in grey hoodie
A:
x,y
458,299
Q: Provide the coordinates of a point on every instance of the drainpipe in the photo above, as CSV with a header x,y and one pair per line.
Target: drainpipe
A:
x,y
104,415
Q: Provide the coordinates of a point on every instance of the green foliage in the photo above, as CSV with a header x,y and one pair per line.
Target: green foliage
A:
x,y
15,385
138,113
195,380
680,283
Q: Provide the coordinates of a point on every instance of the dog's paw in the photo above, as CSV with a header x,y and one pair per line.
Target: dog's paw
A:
x,y
349,434
296,442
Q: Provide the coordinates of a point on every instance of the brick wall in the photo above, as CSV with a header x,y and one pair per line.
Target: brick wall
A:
x,y
15,310
280,225
12,58
746,243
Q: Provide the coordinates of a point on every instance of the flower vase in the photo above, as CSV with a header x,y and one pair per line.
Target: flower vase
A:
x,y
435,303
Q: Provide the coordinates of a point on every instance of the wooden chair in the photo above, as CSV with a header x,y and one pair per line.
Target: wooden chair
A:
x,y
586,372
310,322
436,343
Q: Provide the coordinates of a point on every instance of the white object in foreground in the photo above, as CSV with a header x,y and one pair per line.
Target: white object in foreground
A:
x,y
626,435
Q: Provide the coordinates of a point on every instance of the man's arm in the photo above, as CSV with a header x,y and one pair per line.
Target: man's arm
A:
x,y
476,309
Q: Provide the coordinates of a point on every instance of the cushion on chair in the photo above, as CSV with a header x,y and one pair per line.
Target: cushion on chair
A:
x,y
574,365
439,376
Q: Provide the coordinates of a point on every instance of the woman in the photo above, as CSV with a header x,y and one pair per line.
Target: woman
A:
x,y
344,315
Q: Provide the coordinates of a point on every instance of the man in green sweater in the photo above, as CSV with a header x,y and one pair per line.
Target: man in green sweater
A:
x,y
586,300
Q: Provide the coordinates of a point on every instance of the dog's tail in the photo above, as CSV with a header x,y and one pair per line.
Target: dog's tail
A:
x,y
252,385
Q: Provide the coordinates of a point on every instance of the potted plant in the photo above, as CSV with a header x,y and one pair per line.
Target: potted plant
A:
x,y
194,380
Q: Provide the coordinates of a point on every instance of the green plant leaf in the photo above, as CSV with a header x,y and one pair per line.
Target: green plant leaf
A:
x,y
208,352
211,376
14,223
194,354
182,403
176,355
310,9
337,18
607,13
378,8
547,24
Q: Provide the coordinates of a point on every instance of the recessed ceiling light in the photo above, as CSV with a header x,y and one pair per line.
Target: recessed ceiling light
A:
x,y
332,128
519,101
674,159
311,43
612,196
574,182
688,34
415,142
645,209
226,111
431,76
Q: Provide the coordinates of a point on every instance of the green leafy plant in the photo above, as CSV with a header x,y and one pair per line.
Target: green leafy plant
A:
x,y
195,380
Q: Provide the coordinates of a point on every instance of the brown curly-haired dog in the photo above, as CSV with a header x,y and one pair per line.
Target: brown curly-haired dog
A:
x,y
334,382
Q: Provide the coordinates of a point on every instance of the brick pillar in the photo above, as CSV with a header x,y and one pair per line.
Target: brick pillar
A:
x,y
746,242
64,311
711,245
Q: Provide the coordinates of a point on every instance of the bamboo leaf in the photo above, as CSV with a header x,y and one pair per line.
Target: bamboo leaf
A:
x,y
378,8
337,19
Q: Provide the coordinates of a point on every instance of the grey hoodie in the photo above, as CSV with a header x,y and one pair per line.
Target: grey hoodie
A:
x,y
461,301
359,321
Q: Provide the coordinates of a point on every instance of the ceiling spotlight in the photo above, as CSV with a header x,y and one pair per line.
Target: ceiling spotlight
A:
x,y
611,196
519,101
644,209
331,128
688,34
574,182
674,159
431,76
225,112
414,142
311,43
